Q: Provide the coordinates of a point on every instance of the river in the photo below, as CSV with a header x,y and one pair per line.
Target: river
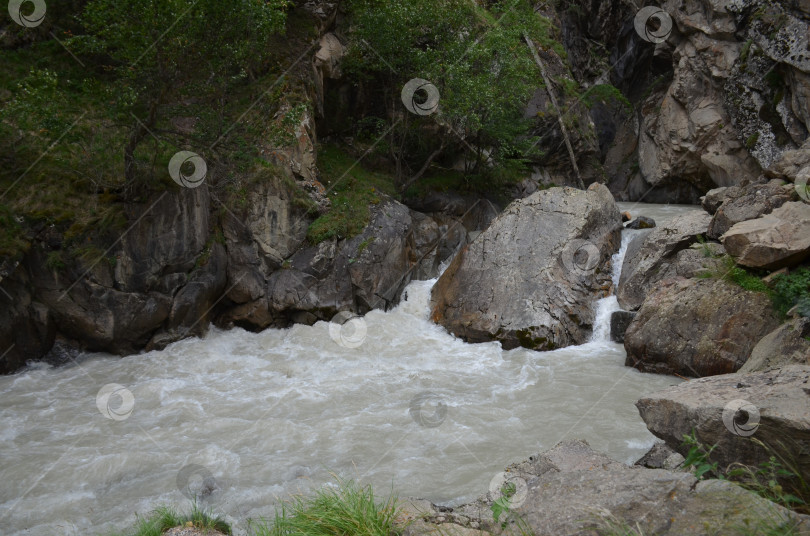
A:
x,y
243,419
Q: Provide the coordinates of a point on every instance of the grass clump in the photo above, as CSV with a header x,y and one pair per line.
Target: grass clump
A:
x,y
792,289
164,518
352,190
731,272
333,511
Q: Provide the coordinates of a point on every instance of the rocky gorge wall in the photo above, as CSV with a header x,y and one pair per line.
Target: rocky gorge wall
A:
x,y
716,99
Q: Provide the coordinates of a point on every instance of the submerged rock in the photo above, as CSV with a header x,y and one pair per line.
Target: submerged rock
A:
x,y
698,327
531,278
642,222
732,410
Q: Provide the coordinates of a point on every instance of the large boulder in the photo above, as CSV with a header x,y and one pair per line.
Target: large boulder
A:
x,y
698,327
738,413
649,257
748,203
531,278
778,239
787,344
571,489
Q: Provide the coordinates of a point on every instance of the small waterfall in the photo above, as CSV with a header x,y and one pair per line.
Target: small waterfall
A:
x,y
605,307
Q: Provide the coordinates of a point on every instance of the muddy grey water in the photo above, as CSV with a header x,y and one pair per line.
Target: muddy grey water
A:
x,y
247,419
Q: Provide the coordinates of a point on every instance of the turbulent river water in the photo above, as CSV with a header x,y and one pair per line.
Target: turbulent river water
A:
x,y
243,420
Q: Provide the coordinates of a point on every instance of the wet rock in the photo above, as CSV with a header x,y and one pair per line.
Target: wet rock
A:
x,y
781,238
650,255
772,410
619,321
642,222
531,277
788,344
698,327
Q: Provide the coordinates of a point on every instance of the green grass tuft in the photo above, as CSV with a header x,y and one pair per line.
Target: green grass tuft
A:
x,y
348,509
164,518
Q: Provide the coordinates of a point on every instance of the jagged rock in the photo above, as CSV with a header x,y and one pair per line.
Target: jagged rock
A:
x,y
572,489
619,321
697,327
642,222
717,196
660,456
649,256
530,278
777,416
368,271
748,203
790,163
787,344
781,238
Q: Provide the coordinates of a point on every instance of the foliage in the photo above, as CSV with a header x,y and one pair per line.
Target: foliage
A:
x,y
792,289
352,190
345,509
164,518
606,93
731,272
475,57
698,457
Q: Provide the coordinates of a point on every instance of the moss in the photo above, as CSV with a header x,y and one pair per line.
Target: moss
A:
x,y
752,140
352,189
525,339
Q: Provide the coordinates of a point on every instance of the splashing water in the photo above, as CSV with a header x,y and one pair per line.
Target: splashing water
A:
x,y
242,419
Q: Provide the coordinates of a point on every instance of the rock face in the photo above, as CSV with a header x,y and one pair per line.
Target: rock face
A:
x,y
788,344
778,403
649,256
368,271
698,327
530,278
781,238
572,489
